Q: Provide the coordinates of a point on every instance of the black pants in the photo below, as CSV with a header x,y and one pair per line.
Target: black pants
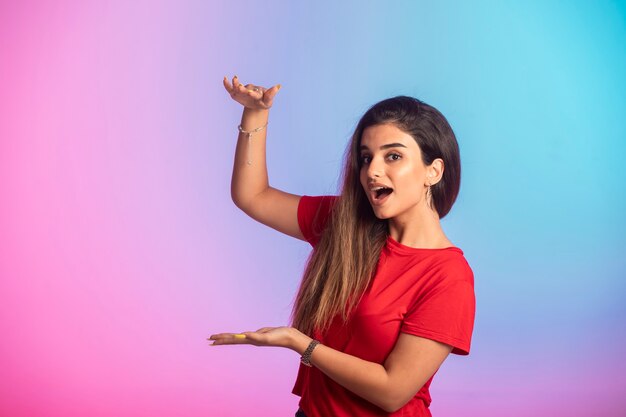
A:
x,y
300,413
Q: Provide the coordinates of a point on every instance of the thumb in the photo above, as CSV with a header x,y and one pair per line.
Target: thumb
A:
x,y
270,93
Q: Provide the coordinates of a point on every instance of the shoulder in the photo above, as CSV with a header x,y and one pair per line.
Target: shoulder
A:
x,y
313,215
451,265
315,203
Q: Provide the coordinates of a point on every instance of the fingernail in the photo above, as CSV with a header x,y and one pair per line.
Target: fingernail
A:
x,y
279,86
235,76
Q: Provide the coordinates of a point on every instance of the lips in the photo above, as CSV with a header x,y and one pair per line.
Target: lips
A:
x,y
379,193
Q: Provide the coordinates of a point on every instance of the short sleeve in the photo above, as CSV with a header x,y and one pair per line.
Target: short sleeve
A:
x,y
445,313
313,214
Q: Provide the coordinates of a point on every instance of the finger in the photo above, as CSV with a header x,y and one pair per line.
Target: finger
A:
x,y
227,85
226,336
255,91
240,87
269,94
253,87
256,338
218,335
236,83
229,339
251,90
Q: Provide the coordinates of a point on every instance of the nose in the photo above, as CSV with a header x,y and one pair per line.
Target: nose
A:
x,y
374,169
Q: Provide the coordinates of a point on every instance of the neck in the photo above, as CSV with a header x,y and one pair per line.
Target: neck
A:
x,y
419,230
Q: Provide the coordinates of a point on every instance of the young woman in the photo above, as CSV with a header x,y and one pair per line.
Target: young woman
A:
x,y
385,297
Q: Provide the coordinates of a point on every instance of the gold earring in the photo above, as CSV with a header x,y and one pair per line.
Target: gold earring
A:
x,y
429,196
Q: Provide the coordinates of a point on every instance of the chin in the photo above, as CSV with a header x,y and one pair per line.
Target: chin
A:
x,y
381,214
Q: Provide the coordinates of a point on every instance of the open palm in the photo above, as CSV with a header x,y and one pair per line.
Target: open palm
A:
x,y
251,96
266,336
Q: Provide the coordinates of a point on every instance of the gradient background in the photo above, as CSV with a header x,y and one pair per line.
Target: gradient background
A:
x,y
121,251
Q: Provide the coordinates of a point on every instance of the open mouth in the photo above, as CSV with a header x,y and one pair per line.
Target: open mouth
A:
x,y
379,194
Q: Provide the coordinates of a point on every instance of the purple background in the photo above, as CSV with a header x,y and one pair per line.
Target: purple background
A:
x,y
121,251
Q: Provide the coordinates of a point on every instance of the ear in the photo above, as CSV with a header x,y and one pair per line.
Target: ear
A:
x,y
434,172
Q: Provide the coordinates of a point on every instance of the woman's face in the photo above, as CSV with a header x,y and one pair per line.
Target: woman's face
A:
x,y
393,175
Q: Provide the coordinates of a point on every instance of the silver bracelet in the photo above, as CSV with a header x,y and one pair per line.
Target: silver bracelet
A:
x,y
249,133
306,356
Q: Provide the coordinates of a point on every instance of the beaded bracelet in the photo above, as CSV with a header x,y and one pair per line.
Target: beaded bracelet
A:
x,y
249,133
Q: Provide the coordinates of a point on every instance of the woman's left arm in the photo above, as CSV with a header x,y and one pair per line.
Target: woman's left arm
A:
x,y
389,386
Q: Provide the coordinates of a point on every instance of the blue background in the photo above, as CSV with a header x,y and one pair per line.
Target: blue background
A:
x,y
120,249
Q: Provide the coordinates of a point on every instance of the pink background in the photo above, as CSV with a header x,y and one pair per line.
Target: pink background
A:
x,y
120,250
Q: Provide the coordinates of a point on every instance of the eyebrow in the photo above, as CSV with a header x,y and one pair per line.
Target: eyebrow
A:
x,y
387,146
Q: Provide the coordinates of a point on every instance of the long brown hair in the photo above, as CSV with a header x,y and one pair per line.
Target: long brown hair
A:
x,y
343,262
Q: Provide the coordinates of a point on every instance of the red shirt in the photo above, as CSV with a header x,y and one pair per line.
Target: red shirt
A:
x,y
423,292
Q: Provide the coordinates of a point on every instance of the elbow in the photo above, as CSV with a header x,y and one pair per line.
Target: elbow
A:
x,y
235,199
237,194
243,199
244,204
238,200
392,407
392,403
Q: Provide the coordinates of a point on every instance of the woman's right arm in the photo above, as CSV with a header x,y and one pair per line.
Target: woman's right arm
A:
x,y
250,189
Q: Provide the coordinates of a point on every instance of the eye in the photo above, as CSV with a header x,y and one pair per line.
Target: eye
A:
x,y
365,159
394,157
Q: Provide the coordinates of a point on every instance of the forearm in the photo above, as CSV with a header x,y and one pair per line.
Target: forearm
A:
x,y
407,368
368,380
250,169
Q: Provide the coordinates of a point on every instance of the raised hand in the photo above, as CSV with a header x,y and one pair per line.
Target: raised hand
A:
x,y
251,96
